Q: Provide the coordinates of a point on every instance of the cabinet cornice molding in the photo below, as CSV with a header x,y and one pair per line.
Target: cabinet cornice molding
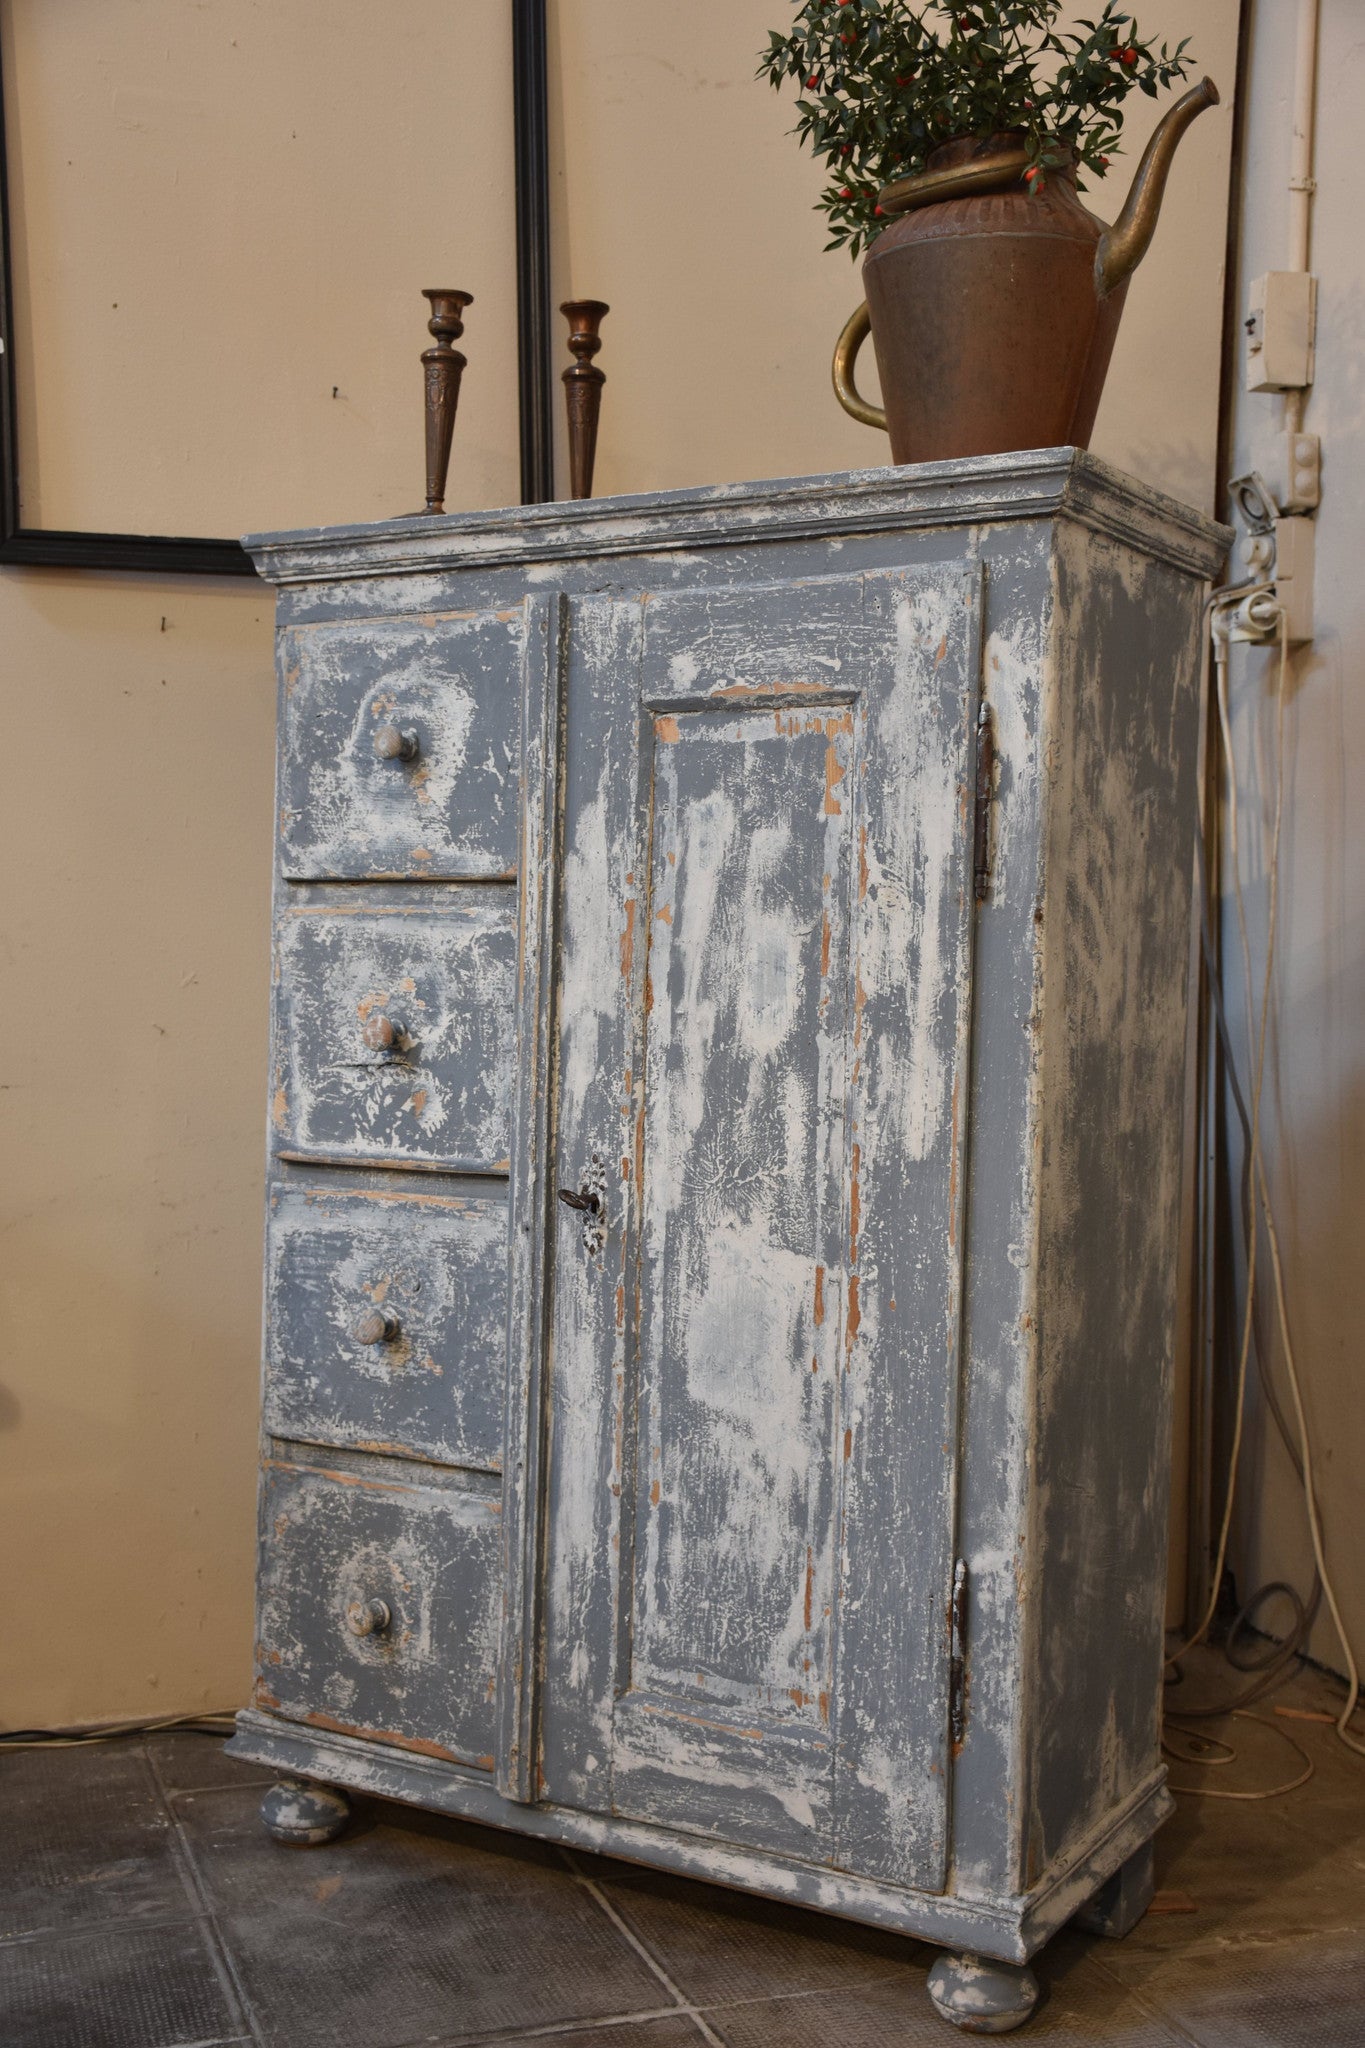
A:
x,y
1036,484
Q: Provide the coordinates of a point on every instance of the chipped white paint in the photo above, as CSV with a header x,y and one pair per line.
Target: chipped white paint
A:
x,y
441,976
426,1679
864,1144
1035,484
447,687
436,1264
739,1308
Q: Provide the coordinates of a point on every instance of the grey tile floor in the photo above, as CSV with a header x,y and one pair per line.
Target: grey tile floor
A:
x,y
142,1906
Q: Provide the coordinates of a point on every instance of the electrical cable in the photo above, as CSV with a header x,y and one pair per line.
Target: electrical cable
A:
x,y
215,1723
1268,1654
1268,1669
1259,1179
1239,1408
1283,1653
1215,988
1229,1756
1287,1648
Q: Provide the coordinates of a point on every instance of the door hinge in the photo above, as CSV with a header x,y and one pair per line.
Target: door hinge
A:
x,y
985,784
957,1655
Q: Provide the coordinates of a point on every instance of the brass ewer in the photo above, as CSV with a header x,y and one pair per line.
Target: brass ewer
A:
x,y
993,310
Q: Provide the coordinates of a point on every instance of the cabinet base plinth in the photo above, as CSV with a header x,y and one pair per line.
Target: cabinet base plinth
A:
x,y
982,1996
304,1816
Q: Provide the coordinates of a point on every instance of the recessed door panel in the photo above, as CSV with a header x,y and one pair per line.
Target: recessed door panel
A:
x,y
739,1311
741,1200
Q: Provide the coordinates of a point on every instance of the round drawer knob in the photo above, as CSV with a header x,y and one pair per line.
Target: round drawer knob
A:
x,y
392,745
375,1326
380,1033
367,1617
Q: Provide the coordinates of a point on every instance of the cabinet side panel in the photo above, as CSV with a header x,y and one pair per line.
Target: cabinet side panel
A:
x,y
1121,818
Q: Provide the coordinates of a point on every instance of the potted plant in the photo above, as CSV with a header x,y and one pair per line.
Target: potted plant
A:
x,y
956,138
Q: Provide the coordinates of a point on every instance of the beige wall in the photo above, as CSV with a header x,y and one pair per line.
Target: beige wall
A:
x,y
263,192
135,809
682,200
225,215
1314,1101
138,769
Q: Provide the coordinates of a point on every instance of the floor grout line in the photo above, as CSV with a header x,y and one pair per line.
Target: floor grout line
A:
x,y
566,2029
646,1955
555,2030
224,1962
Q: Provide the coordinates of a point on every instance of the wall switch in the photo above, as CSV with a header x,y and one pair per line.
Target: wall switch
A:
x,y
1282,309
1294,542
1299,485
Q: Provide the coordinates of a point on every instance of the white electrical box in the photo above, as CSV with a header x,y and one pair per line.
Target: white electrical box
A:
x,y
1282,309
1294,556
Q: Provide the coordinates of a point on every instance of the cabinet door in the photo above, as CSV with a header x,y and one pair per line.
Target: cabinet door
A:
x,y
763,1013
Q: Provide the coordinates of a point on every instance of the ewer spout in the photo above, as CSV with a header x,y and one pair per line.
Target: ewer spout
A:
x,y
1123,246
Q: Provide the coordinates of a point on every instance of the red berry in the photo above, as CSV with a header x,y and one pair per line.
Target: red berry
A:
x,y
876,209
845,149
845,191
848,36
1130,56
813,80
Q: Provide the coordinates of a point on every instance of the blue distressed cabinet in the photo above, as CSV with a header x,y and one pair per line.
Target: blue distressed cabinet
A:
x,y
729,998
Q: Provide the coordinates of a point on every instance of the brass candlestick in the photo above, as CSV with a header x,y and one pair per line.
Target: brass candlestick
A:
x,y
444,366
583,383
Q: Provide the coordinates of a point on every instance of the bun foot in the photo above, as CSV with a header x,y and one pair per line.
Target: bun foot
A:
x,y
982,1996
304,1815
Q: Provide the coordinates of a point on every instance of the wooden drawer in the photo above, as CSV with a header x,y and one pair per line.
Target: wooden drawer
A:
x,y
330,1549
351,807
433,973
386,1323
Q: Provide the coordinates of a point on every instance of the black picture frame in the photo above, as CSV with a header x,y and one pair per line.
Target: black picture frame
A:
x,y
161,554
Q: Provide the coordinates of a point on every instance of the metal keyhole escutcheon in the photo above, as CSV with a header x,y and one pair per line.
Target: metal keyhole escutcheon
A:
x,y
588,1199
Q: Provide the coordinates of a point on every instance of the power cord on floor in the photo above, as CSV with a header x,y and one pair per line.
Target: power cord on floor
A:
x,y
219,1724
1200,1745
